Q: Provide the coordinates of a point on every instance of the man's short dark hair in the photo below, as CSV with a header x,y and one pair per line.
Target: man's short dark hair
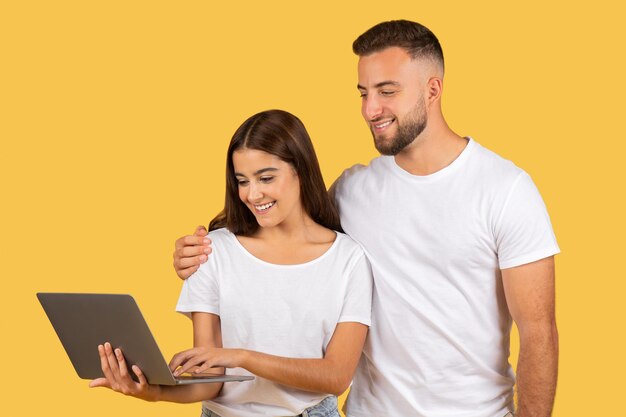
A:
x,y
417,40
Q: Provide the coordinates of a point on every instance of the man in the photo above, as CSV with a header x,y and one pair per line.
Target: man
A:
x,y
460,244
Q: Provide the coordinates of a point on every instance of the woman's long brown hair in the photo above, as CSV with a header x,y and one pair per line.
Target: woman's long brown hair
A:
x,y
282,134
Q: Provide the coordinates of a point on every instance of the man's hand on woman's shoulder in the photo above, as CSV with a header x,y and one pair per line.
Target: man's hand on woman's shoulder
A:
x,y
190,252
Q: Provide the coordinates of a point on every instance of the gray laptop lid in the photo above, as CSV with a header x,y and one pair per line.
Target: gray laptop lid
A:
x,y
84,321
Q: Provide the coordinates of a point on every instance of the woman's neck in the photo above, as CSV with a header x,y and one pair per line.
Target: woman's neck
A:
x,y
289,245
298,231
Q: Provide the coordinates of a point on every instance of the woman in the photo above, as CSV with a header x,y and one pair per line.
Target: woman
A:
x,y
284,296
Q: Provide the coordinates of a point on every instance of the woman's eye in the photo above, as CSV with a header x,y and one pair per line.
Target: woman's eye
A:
x,y
242,183
266,179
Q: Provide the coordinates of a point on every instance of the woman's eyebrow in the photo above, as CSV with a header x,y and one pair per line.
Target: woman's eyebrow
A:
x,y
260,171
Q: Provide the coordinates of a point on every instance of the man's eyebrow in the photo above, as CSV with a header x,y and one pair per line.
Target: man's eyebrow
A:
x,y
260,171
380,84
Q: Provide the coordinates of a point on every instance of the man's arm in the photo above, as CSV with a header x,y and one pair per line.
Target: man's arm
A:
x,y
529,291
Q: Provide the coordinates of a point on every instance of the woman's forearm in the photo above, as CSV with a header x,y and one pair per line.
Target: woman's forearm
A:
x,y
317,375
331,374
189,393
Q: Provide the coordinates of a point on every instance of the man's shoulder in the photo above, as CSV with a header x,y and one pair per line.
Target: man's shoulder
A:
x,y
360,171
357,179
493,159
493,168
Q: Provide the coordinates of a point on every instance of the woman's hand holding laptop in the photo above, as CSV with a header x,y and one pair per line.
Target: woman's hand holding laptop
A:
x,y
118,378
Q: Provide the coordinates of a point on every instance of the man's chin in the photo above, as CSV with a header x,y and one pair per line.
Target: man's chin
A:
x,y
386,151
383,145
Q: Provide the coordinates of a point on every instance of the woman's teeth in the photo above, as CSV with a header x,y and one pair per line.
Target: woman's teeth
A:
x,y
264,206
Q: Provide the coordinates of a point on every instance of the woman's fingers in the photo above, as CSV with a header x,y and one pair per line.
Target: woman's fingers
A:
x,y
182,357
113,363
100,382
121,363
192,362
119,378
115,370
104,364
143,382
146,391
202,368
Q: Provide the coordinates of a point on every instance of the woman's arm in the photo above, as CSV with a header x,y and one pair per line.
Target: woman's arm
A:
x,y
207,335
331,374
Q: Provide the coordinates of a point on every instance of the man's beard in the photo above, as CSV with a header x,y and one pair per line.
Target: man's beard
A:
x,y
414,124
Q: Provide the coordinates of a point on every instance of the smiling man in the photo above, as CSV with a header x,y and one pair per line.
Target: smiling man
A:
x,y
396,115
460,244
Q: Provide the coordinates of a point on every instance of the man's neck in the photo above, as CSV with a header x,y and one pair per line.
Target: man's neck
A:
x,y
431,152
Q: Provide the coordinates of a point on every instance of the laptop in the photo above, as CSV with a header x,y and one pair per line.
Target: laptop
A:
x,y
84,321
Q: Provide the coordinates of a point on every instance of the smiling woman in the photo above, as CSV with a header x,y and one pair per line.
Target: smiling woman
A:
x,y
268,186
280,140
261,304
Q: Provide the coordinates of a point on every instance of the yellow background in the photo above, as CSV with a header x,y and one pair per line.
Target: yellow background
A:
x,y
115,117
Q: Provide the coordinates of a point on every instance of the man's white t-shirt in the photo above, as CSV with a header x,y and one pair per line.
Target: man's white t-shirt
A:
x,y
284,310
439,341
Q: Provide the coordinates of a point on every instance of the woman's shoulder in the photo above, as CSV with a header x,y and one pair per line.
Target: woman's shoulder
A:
x,y
220,233
222,245
346,244
221,238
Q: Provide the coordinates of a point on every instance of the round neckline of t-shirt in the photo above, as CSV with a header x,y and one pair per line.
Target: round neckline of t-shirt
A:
x,y
286,266
443,172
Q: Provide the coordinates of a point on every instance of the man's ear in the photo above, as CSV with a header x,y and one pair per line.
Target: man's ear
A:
x,y
434,88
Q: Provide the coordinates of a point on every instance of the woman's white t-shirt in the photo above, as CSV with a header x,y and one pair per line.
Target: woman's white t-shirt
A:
x,y
284,310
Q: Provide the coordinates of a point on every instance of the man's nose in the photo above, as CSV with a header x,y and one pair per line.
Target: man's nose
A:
x,y
371,107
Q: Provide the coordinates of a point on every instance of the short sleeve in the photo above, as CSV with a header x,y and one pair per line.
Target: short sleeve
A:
x,y
200,292
357,303
524,232
340,188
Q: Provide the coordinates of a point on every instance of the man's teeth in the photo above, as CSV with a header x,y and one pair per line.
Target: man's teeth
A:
x,y
264,206
387,123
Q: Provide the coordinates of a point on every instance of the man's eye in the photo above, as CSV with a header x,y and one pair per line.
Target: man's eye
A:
x,y
387,93
362,95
